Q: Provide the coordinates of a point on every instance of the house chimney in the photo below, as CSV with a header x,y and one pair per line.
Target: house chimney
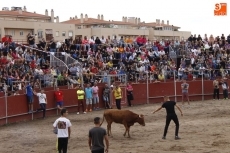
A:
x,y
167,22
86,17
24,9
102,17
70,18
46,13
162,22
20,11
135,21
82,18
75,17
52,15
139,20
57,19
98,17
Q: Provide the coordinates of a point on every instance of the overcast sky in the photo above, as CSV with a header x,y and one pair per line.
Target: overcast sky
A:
x,y
196,16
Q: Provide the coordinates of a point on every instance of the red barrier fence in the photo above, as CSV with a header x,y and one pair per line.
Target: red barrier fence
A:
x,y
14,108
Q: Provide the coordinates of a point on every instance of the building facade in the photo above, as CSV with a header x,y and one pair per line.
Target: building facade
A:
x,y
18,22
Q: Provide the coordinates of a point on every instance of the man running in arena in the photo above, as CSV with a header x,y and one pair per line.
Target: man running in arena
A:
x,y
171,115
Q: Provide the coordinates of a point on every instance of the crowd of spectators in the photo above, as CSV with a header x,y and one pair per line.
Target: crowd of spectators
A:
x,y
134,57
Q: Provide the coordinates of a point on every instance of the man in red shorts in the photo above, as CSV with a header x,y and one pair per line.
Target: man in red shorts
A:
x,y
59,98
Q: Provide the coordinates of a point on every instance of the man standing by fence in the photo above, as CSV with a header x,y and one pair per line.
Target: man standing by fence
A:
x,y
59,98
42,102
184,87
95,96
225,88
118,96
88,98
29,95
216,89
80,99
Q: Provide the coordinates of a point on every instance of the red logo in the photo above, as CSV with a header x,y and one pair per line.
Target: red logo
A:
x,y
220,9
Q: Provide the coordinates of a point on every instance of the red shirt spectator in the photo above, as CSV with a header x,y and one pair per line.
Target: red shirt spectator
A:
x,y
144,40
7,39
85,41
58,96
94,70
139,40
32,64
3,61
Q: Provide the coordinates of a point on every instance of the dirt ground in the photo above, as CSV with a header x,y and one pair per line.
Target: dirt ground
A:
x,y
204,128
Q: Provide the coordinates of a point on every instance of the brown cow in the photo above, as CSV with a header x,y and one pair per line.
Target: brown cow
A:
x,y
125,117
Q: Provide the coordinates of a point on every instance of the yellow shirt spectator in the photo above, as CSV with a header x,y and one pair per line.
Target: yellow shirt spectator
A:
x,y
161,77
129,40
117,93
110,64
80,94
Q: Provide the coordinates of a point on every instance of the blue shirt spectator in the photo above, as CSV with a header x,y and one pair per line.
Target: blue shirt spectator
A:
x,y
29,90
88,93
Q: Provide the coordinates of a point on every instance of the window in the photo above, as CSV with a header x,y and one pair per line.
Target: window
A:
x,y
21,33
63,34
57,34
12,33
40,34
70,33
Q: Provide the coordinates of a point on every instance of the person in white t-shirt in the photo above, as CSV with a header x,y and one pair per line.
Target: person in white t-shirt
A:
x,y
63,131
42,102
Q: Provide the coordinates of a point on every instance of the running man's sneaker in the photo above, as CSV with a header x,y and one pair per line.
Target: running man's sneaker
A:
x,y
163,137
177,138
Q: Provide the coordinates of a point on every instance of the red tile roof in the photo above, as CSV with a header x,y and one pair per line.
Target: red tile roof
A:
x,y
23,14
153,24
91,21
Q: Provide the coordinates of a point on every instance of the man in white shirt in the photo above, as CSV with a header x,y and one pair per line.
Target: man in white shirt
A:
x,y
62,124
193,50
103,40
42,102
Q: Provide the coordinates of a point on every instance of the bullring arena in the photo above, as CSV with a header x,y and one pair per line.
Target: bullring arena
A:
x,y
204,128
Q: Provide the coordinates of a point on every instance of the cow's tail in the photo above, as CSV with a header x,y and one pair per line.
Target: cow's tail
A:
x,y
103,118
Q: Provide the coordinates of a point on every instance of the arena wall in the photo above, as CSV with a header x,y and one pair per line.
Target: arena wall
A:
x,y
17,105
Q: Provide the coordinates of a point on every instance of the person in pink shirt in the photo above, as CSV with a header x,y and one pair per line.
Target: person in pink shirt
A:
x,y
95,96
129,92
85,43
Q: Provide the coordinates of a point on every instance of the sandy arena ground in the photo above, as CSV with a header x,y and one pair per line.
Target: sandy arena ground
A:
x,y
204,128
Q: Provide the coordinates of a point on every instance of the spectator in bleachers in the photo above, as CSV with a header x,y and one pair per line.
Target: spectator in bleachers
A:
x,y
31,40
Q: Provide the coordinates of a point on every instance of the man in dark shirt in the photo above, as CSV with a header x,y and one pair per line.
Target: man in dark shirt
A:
x,y
96,137
171,115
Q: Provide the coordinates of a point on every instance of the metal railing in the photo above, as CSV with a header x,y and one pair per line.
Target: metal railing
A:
x,y
56,62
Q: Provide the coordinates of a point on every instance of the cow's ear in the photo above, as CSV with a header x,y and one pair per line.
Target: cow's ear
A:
x,y
141,116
